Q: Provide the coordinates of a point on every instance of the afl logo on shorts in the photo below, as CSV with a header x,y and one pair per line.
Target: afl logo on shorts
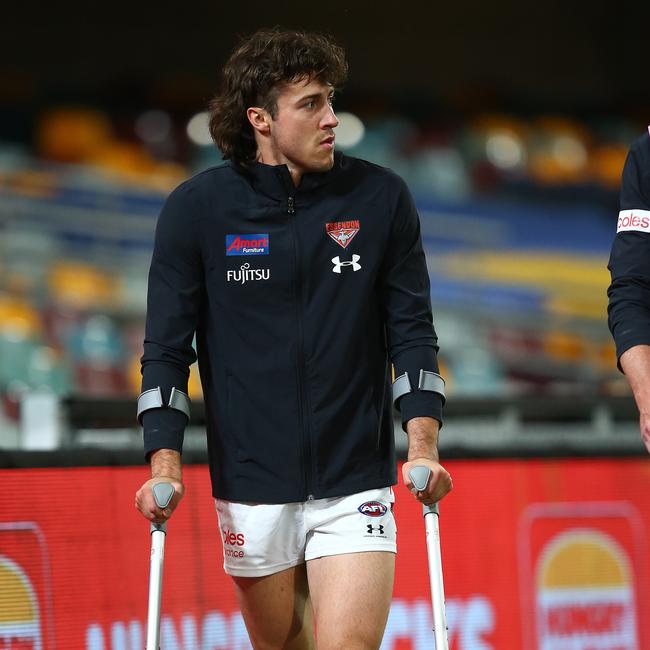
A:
x,y
373,509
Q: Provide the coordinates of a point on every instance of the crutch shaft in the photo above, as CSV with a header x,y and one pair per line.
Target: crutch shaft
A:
x,y
155,588
432,528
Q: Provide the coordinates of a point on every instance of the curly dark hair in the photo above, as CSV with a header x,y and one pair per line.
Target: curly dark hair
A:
x,y
254,75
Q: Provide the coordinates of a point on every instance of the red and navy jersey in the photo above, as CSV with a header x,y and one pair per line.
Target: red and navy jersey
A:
x,y
300,299
629,262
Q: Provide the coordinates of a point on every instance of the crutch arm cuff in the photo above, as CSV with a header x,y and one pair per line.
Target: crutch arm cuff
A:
x,y
180,401
401,387
153,399
432,382
428,381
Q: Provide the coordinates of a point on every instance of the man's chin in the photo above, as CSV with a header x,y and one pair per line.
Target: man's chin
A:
x,y
326,164
319,164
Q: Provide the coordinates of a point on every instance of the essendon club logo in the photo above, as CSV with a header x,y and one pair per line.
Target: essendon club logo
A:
x,y
343,232
373,509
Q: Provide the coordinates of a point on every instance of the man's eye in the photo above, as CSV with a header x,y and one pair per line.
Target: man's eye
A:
x,y
310,104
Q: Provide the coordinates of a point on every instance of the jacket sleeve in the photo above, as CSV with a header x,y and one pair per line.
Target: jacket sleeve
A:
x,y
629,262
406,301
174,300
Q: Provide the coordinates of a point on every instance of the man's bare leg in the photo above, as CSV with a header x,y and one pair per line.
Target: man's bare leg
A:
x,y
351,596
277,610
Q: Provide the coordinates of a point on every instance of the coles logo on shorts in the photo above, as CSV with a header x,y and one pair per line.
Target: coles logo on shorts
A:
x,y
233,543
373,509
247,244
231,538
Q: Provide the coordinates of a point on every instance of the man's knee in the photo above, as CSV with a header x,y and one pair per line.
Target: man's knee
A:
x,y
266,636
357,639
302,642
351,633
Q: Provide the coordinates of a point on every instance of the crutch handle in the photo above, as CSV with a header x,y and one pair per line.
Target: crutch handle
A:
x,y
163,493
419,476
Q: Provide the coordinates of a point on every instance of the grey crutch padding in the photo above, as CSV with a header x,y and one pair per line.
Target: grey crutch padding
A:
x,y
162,493
419,476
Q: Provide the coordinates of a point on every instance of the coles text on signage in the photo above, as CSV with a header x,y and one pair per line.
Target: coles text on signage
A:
x,y
638,220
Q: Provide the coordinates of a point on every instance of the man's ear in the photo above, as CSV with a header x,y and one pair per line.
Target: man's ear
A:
x,y
259,119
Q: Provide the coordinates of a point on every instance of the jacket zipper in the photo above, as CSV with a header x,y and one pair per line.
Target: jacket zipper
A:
x,y
306,441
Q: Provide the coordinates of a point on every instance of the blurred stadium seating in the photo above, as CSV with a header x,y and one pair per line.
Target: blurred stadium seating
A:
x,y
517,218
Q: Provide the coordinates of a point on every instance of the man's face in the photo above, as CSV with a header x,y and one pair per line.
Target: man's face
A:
x,y
302,132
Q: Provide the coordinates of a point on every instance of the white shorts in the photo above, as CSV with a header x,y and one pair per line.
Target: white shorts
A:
x,y
260,539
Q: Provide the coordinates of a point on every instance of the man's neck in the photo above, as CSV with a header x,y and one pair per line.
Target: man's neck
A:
x,y
296,175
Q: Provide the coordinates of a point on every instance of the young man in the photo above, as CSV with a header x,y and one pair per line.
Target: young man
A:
x,y
629,292
303,275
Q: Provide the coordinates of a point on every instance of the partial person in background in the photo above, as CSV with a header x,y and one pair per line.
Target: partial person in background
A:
x,y
629,292
302,272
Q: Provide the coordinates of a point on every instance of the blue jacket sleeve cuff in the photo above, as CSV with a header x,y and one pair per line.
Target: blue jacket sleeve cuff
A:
x,y
623,345
163,429
420,404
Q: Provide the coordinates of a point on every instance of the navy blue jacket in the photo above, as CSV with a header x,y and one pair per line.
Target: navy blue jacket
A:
x,y
629,262
300,298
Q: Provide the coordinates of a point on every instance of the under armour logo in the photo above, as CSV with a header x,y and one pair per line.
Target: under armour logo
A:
x,y
372,528
338,264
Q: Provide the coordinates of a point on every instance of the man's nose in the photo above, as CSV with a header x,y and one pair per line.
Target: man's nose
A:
x,y
329,121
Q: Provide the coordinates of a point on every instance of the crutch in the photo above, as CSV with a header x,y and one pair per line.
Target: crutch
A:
x,y
162,493
419,476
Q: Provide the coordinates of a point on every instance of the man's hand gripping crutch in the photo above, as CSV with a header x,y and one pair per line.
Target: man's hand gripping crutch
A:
x,y
429,482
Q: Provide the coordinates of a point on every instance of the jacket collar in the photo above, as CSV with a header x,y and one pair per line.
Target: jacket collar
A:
x,y
275,180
